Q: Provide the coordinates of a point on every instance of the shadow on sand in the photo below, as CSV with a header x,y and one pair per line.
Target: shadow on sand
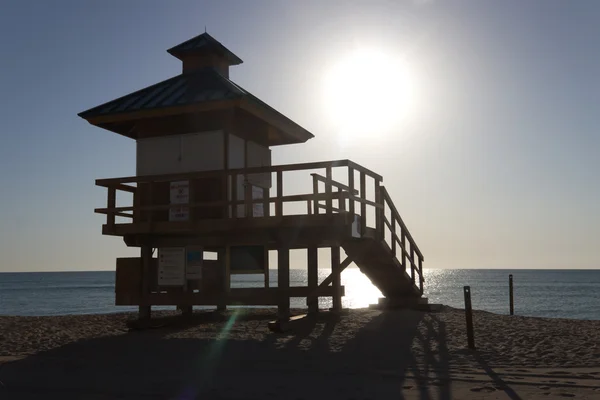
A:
x,y
397,354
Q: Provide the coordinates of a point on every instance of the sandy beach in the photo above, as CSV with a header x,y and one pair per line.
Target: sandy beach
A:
x,y
363,354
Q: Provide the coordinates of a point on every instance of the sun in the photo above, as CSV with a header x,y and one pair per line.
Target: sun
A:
x,y
366,93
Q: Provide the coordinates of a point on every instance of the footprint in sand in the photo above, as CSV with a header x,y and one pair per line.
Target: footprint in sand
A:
x,y
407,387
486,389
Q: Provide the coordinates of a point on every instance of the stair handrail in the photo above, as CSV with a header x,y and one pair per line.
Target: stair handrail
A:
x,y
386,199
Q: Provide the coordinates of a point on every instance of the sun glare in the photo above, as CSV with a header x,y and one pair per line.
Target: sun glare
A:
x,y
366,94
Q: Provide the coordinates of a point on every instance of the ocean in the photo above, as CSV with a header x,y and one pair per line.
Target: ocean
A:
x,y
540,293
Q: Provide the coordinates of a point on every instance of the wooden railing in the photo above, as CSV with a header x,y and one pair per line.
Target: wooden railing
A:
x,y
231,199
337,197
400,241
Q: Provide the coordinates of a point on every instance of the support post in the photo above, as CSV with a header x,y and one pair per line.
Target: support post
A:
x,y
266,268
469,316
337,281
510,291
313,279
145,308
283,283
224,258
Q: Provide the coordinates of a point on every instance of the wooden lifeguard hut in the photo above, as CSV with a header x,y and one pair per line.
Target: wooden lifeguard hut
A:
x,y
206,196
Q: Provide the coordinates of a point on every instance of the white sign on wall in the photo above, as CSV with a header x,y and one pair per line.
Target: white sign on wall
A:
x,y
171,266
179,194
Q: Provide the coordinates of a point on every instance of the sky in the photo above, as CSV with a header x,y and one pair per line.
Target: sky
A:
x,y
493,164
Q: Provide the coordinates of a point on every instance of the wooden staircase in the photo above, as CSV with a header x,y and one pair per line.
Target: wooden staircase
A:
x,y
374,258
386,254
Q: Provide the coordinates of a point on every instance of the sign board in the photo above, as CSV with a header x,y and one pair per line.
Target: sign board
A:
x,y
179,194
257,208
193,266
171,266
246,259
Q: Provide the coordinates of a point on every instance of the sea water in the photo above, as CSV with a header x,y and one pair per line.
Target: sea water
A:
x,y
540,293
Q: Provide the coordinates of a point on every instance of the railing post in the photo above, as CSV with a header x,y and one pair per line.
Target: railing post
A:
x,y
363,206
421,279
351,186
234,195
247,198
225,195
379,212
328,191
394,236
315,192
111,203
266,202
341,200
403,240
412,263
278,202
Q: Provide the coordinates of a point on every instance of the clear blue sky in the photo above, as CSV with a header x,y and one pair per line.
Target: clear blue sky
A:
x,y
496,167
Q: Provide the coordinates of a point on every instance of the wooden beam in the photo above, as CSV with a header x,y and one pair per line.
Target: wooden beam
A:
x,y
365,171
145,308
213,173
327,281
283,282
237,296
333,183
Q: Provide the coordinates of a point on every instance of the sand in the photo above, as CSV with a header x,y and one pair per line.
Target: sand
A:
x,y
363,354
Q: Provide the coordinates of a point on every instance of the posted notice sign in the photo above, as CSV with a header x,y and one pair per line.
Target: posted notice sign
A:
x,y
179,194
171,266
194,260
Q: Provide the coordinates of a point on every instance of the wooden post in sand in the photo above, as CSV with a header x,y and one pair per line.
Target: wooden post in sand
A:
x,y
469,315
510,294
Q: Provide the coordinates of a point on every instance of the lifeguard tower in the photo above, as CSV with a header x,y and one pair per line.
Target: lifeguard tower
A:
x,y
207,198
